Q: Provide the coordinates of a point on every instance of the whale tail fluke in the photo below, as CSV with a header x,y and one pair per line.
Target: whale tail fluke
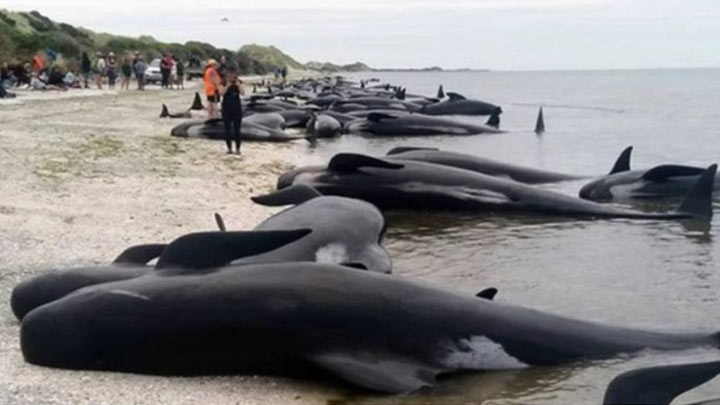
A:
x,y
540,123
197,103
494,120
164,113
698,201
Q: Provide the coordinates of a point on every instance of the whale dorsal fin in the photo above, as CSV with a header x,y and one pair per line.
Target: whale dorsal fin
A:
x,y
664,172
349,162
658,385
164,113
622,164
488,293
455,96
378,372
403,149
140,254
376,117
197,103
293,195
206,250
441,92
540,123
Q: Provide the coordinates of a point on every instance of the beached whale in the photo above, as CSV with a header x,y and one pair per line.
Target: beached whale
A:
x,y
331,240
395,184
457,104
658,182
249,131
375,331
479,164
381,124
660,385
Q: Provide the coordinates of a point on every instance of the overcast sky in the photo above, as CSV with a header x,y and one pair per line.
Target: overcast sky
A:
x,y
494,34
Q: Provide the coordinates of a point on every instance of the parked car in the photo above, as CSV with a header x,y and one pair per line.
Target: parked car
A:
x,y
153,75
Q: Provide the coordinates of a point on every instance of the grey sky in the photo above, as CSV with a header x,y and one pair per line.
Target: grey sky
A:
x,y
495,34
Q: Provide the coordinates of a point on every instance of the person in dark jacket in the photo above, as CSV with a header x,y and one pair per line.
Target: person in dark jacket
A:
x,y
86,68
232,110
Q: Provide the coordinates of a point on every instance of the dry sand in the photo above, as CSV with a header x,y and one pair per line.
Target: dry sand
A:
x,y
86,174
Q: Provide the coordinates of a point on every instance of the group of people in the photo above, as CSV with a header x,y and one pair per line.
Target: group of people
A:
x,y
223,87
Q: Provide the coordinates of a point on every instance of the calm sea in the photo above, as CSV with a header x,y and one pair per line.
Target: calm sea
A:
x,y
648,274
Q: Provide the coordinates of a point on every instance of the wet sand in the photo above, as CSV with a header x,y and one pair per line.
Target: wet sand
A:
x,y
86,174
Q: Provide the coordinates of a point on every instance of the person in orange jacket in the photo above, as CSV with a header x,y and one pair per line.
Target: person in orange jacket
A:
x,y
211,79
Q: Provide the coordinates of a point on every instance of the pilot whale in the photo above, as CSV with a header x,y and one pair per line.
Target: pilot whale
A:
x,y
376,331
658,182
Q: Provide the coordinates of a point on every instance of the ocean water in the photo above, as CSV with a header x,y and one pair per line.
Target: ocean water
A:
x,y
638,273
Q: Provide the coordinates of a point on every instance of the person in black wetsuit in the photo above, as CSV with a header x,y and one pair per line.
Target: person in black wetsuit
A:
x,y
232,110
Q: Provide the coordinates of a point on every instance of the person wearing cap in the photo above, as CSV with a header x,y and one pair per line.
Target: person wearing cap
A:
x,y
211,80
112,64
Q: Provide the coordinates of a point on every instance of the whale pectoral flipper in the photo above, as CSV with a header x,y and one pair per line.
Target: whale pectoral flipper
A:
x,y
220,222
293,195
488,293
403,149
349,162
205,250
140,254
663,173
378,373
658,385
622,164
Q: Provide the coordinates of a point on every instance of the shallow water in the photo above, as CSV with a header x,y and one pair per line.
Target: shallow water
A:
x,y
649,274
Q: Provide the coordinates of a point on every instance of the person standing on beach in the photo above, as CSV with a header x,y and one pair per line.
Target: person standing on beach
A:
x,y
140,68
86,68
126,70
99,70
112,66
232,110
284,73
180,72
211,81
166,65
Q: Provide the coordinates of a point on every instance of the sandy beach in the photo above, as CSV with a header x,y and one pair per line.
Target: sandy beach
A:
x,y
87,173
